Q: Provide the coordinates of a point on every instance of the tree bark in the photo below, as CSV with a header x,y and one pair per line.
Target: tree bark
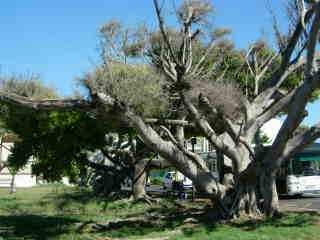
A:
x,y
269,193
139,180
193,168
13,184
245,201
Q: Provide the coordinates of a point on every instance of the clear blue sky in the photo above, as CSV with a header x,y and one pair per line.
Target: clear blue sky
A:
x,y
58,39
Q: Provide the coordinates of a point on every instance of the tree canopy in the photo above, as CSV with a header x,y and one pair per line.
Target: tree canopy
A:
x,y
200,80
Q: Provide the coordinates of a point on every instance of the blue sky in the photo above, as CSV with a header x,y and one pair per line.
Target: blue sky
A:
x,y
58,39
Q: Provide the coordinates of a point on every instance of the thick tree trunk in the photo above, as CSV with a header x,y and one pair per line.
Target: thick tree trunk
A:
x,y
246,200
244,196
269,193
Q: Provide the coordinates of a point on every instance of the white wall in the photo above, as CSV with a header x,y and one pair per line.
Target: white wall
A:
x,y
22,179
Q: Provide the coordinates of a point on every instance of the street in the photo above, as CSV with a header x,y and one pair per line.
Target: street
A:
x,y
304,203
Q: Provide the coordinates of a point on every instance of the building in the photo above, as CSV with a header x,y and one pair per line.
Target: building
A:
x,y
23,178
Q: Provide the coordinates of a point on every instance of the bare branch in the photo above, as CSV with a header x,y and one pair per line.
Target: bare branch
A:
x,y
163,31
258,65
275,109
203,58
296,111
311,65
273,83
260,103
209,133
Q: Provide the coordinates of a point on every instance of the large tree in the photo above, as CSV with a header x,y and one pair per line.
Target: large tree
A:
x,y
72,144
186,78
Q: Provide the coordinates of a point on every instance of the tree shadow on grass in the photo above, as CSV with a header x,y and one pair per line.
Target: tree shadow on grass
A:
x,y
83,197
292,220
156,220
34,226
298,219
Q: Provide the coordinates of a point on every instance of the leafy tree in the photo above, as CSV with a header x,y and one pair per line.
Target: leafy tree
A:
x,y
185,79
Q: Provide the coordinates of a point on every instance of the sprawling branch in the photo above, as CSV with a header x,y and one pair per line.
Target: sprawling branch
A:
x,y
45,105
271,107
210,134
300,141
299,100
198,173
195,170
276,108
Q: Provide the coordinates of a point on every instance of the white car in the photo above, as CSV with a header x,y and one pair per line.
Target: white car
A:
x,y
169,178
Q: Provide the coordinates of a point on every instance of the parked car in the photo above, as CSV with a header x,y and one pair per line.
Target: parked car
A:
x,y
172,180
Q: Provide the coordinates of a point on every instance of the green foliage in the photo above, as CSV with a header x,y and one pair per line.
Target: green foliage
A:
x,y
138,86
264,139
58,141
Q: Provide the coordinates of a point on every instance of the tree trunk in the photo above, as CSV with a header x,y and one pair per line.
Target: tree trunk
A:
x,y
246,200
13,184
139,181
269,193
194,169
244,196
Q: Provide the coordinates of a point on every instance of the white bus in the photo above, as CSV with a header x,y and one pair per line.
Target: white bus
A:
x,y
301,174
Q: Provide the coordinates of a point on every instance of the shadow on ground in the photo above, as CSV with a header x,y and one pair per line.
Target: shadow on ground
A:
x,y
158,219
298,220
166,215
33,226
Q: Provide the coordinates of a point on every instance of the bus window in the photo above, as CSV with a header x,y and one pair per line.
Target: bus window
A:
x,y
306,168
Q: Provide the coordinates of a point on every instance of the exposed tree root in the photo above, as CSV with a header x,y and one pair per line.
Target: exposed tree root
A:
x,y
145,199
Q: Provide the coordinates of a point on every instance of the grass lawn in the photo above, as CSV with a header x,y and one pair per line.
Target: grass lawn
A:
x,y
58,212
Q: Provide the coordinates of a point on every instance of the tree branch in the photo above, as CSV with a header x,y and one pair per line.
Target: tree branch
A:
x,y
210,134
163,31
197,160
169,122
299,100
46,105
273,83
300,141
261,105
230,127
274,109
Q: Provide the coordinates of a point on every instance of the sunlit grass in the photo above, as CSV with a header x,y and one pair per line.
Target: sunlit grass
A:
x,y
56,212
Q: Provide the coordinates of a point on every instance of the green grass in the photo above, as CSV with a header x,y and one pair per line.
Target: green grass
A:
x,y
291,226
63,213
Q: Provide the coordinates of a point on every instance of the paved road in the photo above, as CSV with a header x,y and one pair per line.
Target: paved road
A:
x,y
304,203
